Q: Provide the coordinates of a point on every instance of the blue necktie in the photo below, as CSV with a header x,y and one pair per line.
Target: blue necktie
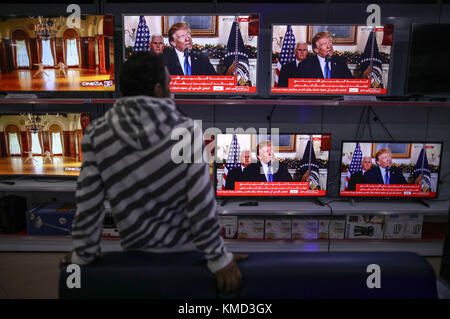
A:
x,y
327,71
269,174
187,66
386,177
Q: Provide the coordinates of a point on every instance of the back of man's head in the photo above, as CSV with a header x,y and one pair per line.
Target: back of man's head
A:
x,y
140,74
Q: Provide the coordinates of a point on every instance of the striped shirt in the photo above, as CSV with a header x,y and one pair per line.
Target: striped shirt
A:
x,y
157,204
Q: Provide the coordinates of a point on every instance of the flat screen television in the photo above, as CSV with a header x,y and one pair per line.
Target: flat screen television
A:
x,y
428,66
390,169
204,54
330,59
288,165
49,53
41,144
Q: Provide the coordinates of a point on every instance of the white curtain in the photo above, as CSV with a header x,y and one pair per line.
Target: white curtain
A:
x,y
47,56
56,143
22,54
35,145
72,52
14,145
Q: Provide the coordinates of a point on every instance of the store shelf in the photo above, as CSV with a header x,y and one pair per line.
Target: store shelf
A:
x,y
38,185
274,208
422,247
309,207
426,247
390,207
243,101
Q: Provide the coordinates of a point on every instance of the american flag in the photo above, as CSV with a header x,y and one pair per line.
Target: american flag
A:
x,y
355,165
422,169
287,54
142,36
233,160
236,53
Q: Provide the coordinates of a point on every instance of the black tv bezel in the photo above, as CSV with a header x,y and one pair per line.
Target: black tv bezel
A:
x,y
58,94
409,65
258,198
389,197
43,111
328,95
202,94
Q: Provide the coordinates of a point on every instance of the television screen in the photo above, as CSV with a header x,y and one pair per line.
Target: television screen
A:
x,y
330,59
428,67
54,54
204,54
41,144
390,169
264,165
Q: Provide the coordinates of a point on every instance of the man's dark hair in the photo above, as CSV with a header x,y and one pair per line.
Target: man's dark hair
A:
x,y
141,72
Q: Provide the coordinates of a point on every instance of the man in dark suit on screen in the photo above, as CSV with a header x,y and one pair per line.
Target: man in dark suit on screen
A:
x,y
358,177
182,60
267,169
384,173
324,65
291,70
237,174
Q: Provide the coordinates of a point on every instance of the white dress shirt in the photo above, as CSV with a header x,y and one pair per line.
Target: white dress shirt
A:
x,y
180,56
383,173
266,170
322,65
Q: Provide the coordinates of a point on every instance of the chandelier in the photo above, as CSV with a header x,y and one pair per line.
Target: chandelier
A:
x,y
35,123
46,28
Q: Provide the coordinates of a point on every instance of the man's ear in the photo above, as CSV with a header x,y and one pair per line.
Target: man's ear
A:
x,y
315,50
158,90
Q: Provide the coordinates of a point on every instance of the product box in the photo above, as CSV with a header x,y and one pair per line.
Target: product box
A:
x,y
305,228
364,226
251,227
394,226
229,226
336,229
413,226
278,228
51,219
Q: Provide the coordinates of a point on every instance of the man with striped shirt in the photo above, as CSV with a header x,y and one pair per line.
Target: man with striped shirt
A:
x,y
158,205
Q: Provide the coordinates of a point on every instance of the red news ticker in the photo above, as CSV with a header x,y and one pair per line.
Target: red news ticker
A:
x,y
271,189
341,86
243,19
208,83
394,190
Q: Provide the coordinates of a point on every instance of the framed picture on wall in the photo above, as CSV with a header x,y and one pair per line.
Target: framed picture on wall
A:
x,y
201,26
286,142
342,34
399,150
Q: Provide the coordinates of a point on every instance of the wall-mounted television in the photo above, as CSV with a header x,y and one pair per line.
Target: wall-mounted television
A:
x,y
270,166
215,54
330,59
49,53
45,144
390,169
428,67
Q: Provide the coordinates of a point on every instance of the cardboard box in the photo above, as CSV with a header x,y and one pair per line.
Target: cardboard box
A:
x,y
278,228
229,226
51,219
394,226
305,228
251,227
364,227
413,226
336,229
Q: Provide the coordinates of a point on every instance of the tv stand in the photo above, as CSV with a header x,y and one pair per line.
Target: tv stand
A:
x,y
421,201
318,201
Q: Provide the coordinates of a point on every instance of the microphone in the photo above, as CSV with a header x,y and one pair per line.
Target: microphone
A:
x,y
327,58
187,52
